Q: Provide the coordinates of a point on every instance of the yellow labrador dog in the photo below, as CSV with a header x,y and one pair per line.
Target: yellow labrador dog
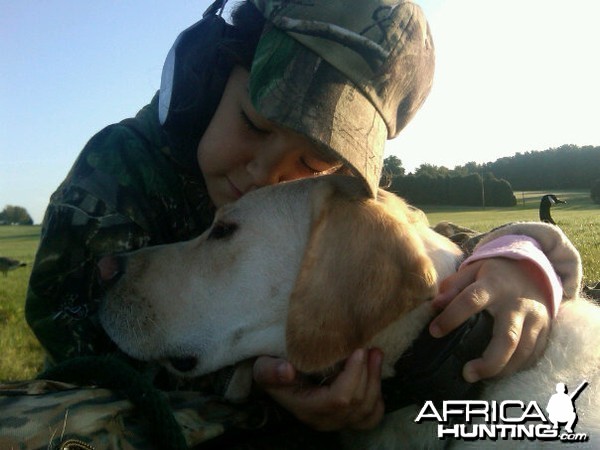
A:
x,y
309,271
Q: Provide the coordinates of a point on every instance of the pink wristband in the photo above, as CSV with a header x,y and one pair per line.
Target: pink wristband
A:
x,y
523,247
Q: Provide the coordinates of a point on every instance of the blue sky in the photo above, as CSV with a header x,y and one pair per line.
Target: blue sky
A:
x,y
511,76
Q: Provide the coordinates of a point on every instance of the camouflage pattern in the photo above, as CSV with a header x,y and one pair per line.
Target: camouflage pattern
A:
x,y
124,191
348,77
466,238
42,415
65,415
46,414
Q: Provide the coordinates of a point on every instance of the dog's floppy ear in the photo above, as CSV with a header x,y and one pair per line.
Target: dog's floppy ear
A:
x,y
361,270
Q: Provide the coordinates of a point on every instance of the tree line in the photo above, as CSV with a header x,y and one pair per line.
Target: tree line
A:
x,y
491,184
566,167
468,190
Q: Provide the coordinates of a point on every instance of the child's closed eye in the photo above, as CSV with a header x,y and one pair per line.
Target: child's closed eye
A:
x,y
250,124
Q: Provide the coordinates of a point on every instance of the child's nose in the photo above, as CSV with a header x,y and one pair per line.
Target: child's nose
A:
x,y
271,165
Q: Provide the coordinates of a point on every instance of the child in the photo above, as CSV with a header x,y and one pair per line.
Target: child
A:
x,y
246,106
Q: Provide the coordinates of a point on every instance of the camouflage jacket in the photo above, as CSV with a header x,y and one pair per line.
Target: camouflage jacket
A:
x,y
125,191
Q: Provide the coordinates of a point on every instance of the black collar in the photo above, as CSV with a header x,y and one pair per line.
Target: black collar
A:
x,y
431,369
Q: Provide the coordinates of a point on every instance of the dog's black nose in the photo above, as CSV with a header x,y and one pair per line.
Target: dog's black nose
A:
x,y
184,364
110,269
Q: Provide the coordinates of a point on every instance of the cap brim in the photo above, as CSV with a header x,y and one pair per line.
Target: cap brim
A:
x,y
296,88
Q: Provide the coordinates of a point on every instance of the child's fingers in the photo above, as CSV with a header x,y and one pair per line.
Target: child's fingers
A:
x,y
370,412
350,385
273,372
373,388
531,344
469,302
333,403
505,340
454,284
353,400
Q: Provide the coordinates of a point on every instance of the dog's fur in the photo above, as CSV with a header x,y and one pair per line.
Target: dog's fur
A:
x,y
309,271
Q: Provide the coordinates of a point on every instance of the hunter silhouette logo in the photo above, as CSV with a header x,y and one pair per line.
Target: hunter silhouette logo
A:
x,y
508,419
561,406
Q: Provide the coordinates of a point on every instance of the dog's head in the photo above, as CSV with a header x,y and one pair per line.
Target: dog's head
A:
x,y
307,270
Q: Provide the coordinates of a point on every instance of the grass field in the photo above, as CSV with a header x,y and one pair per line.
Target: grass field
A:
x,y
579,218
22,357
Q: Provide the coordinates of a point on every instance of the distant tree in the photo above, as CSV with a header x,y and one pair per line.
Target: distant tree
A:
x,y
467,169
392,166
595,191
498,192
468,190
431,170
15,215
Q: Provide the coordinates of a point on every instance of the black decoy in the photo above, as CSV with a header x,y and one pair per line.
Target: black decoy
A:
x,y
545,205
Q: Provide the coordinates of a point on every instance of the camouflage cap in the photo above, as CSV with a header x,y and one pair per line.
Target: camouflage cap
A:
x,y
346,74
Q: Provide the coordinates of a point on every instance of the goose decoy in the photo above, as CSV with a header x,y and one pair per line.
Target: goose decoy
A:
x,y
7,264
545,205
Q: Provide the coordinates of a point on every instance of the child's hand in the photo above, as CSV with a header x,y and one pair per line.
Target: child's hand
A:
x,y
513,292
353,400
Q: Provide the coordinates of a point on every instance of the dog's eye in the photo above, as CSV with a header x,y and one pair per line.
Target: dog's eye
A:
x,y
222,230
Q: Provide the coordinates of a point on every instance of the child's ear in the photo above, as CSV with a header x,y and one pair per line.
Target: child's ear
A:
x,y
362,269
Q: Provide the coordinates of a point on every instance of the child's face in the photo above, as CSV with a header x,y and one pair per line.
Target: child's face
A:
x,y
241,150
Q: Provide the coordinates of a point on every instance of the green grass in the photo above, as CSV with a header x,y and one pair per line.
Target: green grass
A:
x,y
21,356
579,218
